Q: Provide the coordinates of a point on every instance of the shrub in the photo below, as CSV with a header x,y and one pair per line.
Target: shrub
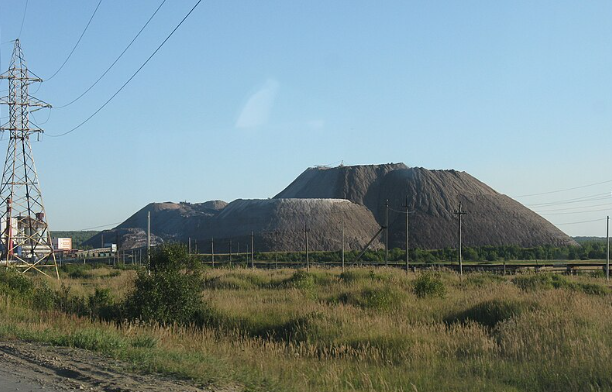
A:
x,y
490,313
15,283
171,293
102,305
484,279
77,271
360,275
301,280
429,285
228,282
592,288
43,298
63,301
372,298
541,281
555,281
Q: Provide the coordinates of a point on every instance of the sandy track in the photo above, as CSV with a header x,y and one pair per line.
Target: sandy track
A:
x,y
32,366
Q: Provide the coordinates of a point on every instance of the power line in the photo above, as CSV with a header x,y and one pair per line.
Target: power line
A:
x,y
598,196
576,212
131,77
98,227
575,223
77,43
566,189
402,212
114,62
23,19
574,208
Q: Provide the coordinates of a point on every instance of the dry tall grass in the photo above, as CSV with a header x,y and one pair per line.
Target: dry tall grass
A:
x,y
358,331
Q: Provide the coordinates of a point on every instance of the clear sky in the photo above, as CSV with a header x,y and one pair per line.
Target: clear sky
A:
x,y
248,94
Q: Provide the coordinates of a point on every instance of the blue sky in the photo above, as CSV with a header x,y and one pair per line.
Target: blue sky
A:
x,y
248,94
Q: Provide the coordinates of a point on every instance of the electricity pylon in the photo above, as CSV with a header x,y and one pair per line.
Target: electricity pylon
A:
x,y
25,240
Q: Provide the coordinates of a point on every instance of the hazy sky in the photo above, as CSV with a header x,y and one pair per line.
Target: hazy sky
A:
x,y
248,94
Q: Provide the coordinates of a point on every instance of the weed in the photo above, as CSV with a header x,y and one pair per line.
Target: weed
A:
x,y
483,279
490,313
429,284
376,298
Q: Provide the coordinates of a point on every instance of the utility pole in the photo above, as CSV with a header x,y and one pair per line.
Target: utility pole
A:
x,y
212,250
276,249
149,241
608,248
387,232
26,239
342,242
230,253
306,230
460,214
252,251
189,245
407,238
118,249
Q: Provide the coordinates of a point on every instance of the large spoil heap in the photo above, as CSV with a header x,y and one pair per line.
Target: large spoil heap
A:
x,y
322,200
433,196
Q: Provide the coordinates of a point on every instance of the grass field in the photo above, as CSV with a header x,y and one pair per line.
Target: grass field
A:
x,y
361,330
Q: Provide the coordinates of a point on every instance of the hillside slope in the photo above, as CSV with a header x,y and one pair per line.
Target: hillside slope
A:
x,y
433,196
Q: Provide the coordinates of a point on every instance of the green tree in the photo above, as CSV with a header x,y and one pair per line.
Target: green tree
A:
x,y
171,292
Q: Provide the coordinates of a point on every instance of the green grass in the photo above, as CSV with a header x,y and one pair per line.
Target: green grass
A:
x,y
361,330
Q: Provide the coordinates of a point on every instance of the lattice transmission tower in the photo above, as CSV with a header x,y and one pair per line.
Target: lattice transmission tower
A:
x,y
25,240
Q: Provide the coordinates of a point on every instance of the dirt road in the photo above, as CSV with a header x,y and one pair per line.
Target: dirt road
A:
x,y
38,367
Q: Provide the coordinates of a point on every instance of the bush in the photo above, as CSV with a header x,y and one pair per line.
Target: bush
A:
x,y
15,283
592,288
43,298
541,281
77,271
484,279
102,305
307,280
429,285
171,293
555,281
490,313
372,298
360,275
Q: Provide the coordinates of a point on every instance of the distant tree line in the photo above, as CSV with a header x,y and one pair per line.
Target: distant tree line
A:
x,y
587,251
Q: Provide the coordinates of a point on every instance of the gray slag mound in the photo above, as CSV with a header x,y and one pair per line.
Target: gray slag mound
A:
x,y
433,196
280,223
277,224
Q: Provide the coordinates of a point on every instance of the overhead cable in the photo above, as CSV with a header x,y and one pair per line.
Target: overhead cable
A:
x,y
25,10
114,62
576,212
402,212
566,189
539,211
131,77
98,227
77,43
575,223
598,196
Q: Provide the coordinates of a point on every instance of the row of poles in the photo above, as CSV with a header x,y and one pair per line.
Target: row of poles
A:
x,y
459,213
